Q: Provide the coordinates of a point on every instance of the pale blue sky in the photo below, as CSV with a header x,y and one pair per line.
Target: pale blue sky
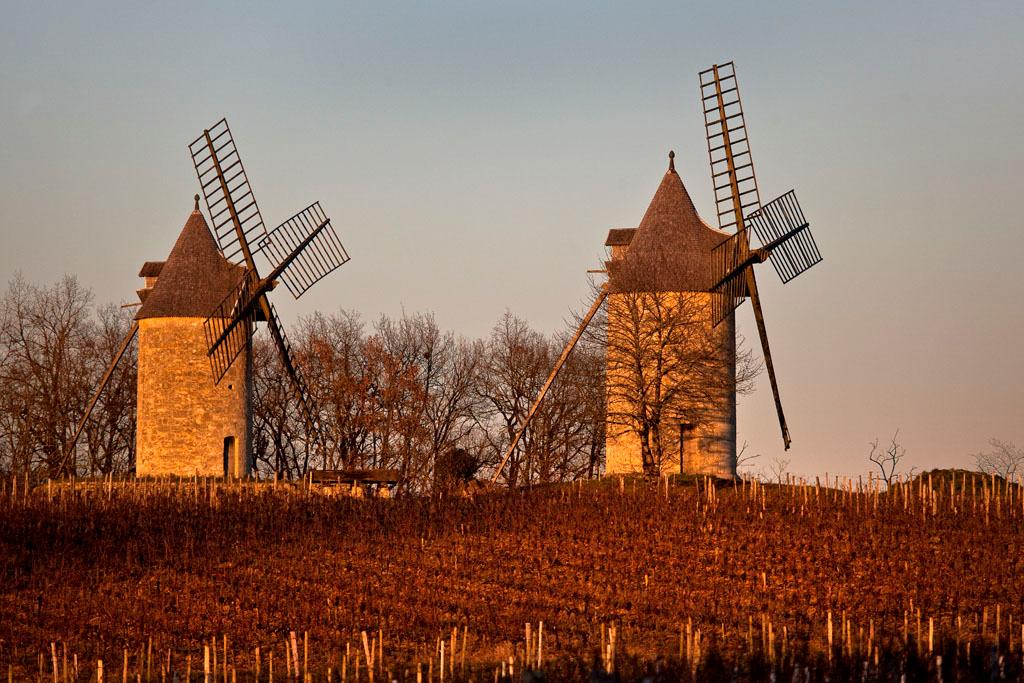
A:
x,y
474,155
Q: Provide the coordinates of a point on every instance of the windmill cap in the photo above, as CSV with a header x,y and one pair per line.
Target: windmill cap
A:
x,y
670,251
194,279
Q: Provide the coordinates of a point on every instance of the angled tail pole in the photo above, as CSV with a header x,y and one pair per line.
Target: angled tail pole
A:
x,y
602,295
99,390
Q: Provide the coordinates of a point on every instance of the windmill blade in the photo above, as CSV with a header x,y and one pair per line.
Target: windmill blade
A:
x,y
132,331
309,412
728,263
732,167
755,301
233,210
230,326
306,247
782,221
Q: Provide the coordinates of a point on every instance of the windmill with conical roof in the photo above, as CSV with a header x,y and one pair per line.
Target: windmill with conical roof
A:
x,y
670,375
186,422
199,309
673,256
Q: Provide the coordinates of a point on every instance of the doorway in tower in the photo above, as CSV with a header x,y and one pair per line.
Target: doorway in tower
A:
x,y
229,457
687,444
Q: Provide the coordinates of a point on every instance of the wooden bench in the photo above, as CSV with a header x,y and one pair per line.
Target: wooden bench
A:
x,y
368,477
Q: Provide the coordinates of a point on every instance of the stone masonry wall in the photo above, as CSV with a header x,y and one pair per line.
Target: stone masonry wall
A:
x,y
709,445
183,417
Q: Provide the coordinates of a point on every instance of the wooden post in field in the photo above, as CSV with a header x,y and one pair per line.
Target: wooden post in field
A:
x,y
206,664
528,657
369,651
540,644
295,653
830,635
462,657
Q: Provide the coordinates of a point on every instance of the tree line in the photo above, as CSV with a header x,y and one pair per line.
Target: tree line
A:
x,y
391,393
396,393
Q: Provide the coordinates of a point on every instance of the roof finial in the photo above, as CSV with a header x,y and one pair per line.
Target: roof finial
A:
x,y
197,202
671,161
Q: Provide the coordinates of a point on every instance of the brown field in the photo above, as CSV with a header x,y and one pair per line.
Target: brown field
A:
x,y
703,581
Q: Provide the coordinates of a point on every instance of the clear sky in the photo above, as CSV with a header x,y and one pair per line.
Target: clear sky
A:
x,y
473,156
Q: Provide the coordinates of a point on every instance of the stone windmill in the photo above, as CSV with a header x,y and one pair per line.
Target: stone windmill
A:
x,y
199,309
674,256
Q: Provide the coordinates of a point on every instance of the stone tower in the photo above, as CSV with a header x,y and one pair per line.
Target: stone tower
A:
x,y
667,261
186,424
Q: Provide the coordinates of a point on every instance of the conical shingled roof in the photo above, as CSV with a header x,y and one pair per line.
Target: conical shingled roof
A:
x,y
671,249
195,278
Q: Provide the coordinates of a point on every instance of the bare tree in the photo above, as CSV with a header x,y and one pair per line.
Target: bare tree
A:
x,y
745,460
278,431
45,338
399,437
340,381
888,458
565,438
1004,460
515,363
778,469
396,398
588,375
451,376
109,434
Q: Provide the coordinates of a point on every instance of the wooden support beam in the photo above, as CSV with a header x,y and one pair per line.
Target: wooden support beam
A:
x,y
602,295
103,383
